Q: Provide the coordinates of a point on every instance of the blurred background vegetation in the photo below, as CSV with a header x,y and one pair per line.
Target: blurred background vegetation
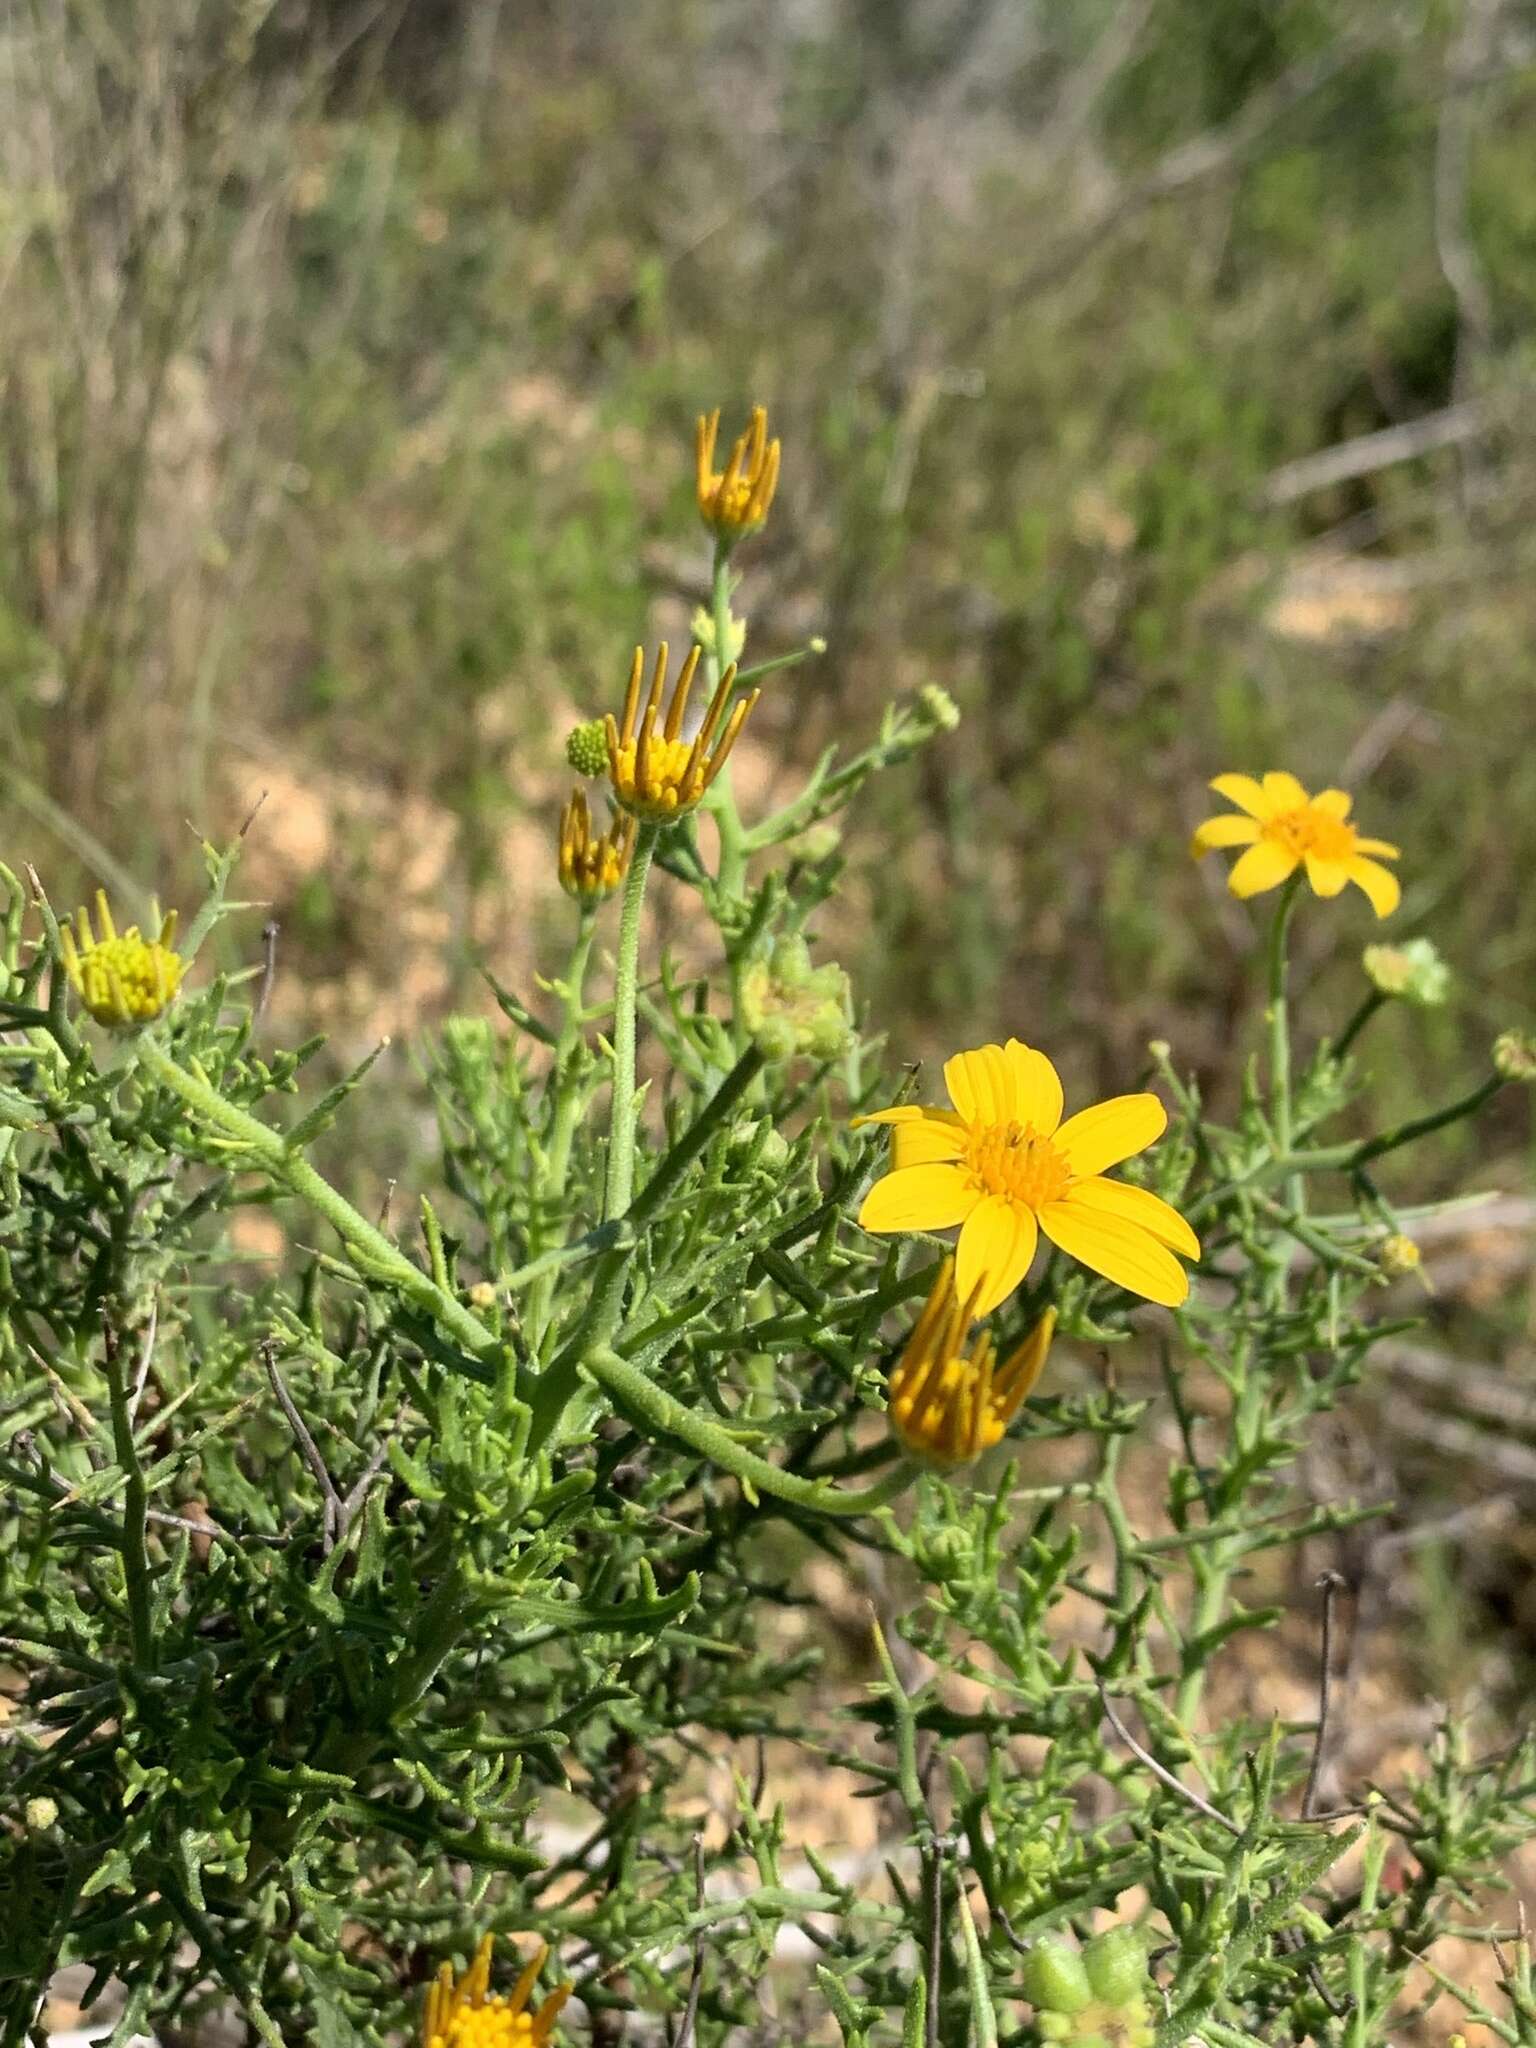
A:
x,y
1153,374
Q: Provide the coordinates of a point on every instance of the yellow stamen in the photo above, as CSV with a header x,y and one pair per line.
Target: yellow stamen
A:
x,y
462,2014
1013,1160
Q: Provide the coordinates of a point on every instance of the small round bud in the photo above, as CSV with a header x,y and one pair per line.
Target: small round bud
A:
x,y
42,1812
1397,1255
816,644
1413,971
1116,1962
586,747
1053,1976
483,1294
816,843
1514,1056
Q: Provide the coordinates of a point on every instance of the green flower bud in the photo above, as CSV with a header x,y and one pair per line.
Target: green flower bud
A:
x,y
1054,1978
702,627
1116,1962
816,843
42,1812
1053,2026
1514,1056
586,747
1397,1255
1413,970
937,709
793,1008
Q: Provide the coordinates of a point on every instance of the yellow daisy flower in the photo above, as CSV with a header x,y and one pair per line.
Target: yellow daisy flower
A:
x,y
1283,829
592,865
658,774
949,1404
1004,1166
123,979
459,2014
734,500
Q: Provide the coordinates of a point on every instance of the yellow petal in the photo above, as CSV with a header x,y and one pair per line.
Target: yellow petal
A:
x,y
1036,1087
1121,1251
1283,791
1381,847
918,1198
1141,1207
1333,803
1227,830
980,1085
927,1140
1326,876
1101,1137
1243,791
1379,883
907,1113
1264,866
994,1251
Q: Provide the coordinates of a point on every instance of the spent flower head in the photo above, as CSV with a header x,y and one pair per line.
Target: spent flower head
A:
x,y
950,1400
592,865
123,979
1413,970
734,501
792,1008
656,772
1003,1166
461,2013
1283,829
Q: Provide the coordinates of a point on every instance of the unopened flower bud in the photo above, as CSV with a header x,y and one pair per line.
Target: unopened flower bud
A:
x,y
1514,1056
1397,1255
483,1294
817,843
793,1008
1116,1962
1413,971
42,1812
702,627
586,747
1053,1977
937,709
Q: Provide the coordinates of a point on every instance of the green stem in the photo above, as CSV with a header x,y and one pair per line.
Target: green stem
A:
x,y
1358,1022
568,1094
135,1510
621,1129
558,1382
641,1399
1278,1018
1351,1158
372,1252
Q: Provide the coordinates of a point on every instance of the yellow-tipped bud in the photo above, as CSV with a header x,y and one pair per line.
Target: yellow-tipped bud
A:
x,y
592,865
735,500
460,2013
123,979
656,772
949,1402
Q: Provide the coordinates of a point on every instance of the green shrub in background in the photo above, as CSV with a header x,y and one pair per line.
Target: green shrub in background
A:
x,y
323,1595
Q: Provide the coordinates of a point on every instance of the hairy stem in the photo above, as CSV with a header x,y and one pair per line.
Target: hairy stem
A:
x,y
621,1128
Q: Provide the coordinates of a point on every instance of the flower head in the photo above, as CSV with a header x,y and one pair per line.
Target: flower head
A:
x,y
1004,1166
657,773
592,867
1398,1255
122,979
949,1402
735,500
1413,970
459,2013
1283,829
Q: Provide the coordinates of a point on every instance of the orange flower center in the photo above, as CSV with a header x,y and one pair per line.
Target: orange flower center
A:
x,y
1309,830
1014,1161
